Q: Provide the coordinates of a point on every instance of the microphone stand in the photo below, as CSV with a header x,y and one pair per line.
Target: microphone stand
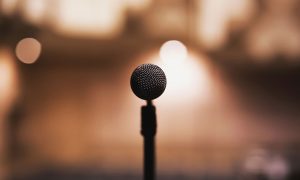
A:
x,y
148,131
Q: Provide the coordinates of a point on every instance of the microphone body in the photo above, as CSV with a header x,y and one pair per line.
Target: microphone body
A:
x,y
148,82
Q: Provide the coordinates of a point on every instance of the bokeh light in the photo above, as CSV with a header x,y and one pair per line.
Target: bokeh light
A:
x,y
8,81
216,17
173,52
5,75
8,6
35,11
28,50
102,19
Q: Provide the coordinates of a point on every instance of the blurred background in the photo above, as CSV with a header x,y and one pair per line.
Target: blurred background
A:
x,y
230,109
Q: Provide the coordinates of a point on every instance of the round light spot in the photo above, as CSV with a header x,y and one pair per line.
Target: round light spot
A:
x,y
28,50
173,52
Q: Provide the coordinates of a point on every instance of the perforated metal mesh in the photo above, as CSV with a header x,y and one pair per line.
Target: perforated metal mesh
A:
x,y
148,81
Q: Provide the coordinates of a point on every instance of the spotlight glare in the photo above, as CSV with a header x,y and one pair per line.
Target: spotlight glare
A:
x,y
189,77
173,52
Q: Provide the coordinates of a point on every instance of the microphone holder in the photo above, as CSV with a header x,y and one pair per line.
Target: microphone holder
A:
x,y
148,131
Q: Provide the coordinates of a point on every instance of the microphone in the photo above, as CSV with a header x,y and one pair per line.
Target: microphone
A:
x,y
148,82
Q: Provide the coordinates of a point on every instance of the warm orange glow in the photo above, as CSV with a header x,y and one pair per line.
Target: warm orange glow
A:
x,y
35,10
91,19
28,50
97,18
275,33
216,16
8,6
137,5
6,76
8,81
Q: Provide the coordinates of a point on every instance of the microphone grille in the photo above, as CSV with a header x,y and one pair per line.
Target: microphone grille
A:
x,y
148,81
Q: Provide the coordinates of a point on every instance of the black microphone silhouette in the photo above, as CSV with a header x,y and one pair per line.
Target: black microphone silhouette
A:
x,y
148,82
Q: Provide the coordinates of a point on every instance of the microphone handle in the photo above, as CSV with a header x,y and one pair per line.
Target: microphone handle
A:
x,y
148,131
